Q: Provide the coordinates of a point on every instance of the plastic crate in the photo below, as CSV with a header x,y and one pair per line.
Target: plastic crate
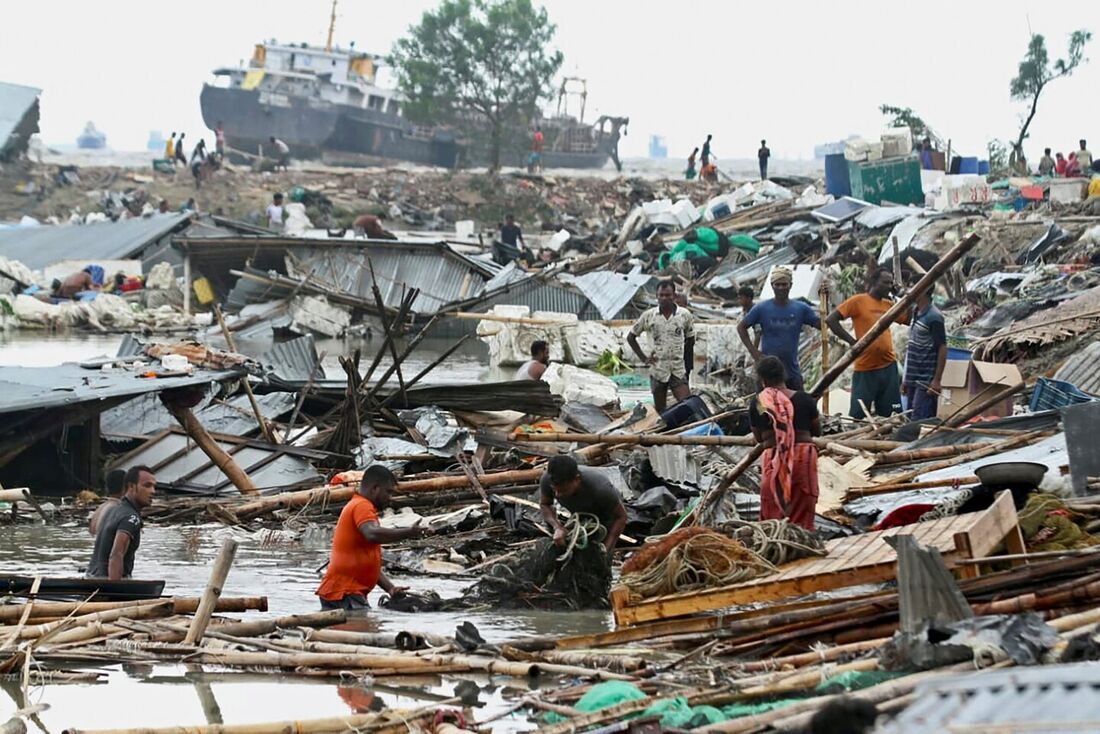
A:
x,y
1052,394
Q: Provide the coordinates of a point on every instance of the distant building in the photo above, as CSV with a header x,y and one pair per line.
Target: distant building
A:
x,y
156,141
657,148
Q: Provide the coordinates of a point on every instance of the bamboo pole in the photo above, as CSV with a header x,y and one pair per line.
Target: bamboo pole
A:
x,y
146,610
343,493
15,495
918,455
883,324
265,430
212,592
953,482
809,658
661,439
989,449
396,661
378,639
377,723
998,397
210,447
180,605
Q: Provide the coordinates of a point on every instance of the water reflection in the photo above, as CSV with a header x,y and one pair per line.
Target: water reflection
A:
x,y
284,571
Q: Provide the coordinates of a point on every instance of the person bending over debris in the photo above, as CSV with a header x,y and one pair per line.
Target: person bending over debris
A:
x,y
371,226
785,421
282,152
118,533
875,382
780,320
115,484
355,566
88,279
580,490
533,368
672,329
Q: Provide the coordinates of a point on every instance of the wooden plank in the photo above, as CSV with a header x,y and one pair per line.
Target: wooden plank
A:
x,y
851,561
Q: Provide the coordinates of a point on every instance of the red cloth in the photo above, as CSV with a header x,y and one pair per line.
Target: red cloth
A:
x,y
1060,166
904,515
803,490
355,564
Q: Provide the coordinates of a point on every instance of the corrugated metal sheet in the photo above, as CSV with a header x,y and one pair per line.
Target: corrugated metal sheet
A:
x,y
674,464
1081,369
610,292
15,102
293,361
754,269
442,275
181,466
34,388
146,415
1044,699
37,247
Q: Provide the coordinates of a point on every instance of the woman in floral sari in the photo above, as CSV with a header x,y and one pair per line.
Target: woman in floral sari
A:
x,y
785,421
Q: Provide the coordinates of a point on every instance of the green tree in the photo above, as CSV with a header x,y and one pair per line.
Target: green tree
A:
x,y
487,58
905,117
1036,72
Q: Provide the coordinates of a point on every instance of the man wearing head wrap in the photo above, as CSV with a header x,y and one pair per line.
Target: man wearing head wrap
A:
x,y
780,320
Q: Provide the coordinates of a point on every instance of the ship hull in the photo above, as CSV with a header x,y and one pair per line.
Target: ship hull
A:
x,y
314,129
339,134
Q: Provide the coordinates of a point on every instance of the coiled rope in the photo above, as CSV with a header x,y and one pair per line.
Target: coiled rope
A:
x,y
776,541
701,558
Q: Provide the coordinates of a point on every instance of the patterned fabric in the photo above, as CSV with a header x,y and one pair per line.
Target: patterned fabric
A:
x,y
926,336
780,410
669,335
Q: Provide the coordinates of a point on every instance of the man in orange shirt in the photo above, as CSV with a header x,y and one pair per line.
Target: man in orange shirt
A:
x,y
356,563
876,383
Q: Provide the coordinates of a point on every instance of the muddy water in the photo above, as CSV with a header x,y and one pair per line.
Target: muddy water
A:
x,y
281,567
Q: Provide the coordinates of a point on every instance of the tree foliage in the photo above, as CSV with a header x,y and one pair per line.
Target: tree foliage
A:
x,y
487,58
1035,72
906,117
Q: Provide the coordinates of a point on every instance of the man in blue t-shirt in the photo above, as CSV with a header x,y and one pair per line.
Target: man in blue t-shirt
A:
x,y
925,358
780,320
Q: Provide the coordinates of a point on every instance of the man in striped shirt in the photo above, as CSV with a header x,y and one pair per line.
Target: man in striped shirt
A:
x,y
925,358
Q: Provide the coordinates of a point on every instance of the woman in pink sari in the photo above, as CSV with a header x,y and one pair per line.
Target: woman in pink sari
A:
x,y
785,421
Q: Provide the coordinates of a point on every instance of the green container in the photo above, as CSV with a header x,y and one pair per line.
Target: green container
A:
x,y
893,180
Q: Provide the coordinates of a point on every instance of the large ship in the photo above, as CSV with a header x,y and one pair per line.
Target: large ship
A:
x,y
326,103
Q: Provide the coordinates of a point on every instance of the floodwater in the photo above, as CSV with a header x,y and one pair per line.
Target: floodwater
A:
x,y
282,567
271,564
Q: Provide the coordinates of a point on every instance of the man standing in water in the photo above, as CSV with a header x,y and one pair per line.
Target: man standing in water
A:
x,y
118,534
534,368
780,320
672,329
115,484
355,566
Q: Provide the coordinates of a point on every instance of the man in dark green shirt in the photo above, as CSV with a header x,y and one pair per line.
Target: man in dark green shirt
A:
x,y
580,489
119,533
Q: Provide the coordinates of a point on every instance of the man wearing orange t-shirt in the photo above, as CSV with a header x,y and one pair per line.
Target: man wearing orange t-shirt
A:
x,y
876,382
356,563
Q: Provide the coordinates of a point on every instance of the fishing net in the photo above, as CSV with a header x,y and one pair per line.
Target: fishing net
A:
x,y
692,558
547,576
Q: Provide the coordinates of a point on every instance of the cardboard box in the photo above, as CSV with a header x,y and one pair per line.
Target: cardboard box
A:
x,y
965,380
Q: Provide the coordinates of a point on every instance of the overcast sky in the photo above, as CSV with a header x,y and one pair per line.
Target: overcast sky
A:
x,y
798,73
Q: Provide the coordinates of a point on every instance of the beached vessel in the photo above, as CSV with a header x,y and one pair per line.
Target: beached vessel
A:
x,y
327,103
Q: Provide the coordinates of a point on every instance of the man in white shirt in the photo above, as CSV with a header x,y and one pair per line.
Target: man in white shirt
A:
x,y
533,368
282,150
276,213
672,329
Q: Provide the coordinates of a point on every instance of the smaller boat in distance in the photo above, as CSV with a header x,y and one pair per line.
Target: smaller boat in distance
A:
x,y
91,139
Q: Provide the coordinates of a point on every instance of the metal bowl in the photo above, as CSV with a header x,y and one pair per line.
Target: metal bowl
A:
x,y
1012,472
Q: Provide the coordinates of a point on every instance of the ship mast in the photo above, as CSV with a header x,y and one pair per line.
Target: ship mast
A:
x,y
331,27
